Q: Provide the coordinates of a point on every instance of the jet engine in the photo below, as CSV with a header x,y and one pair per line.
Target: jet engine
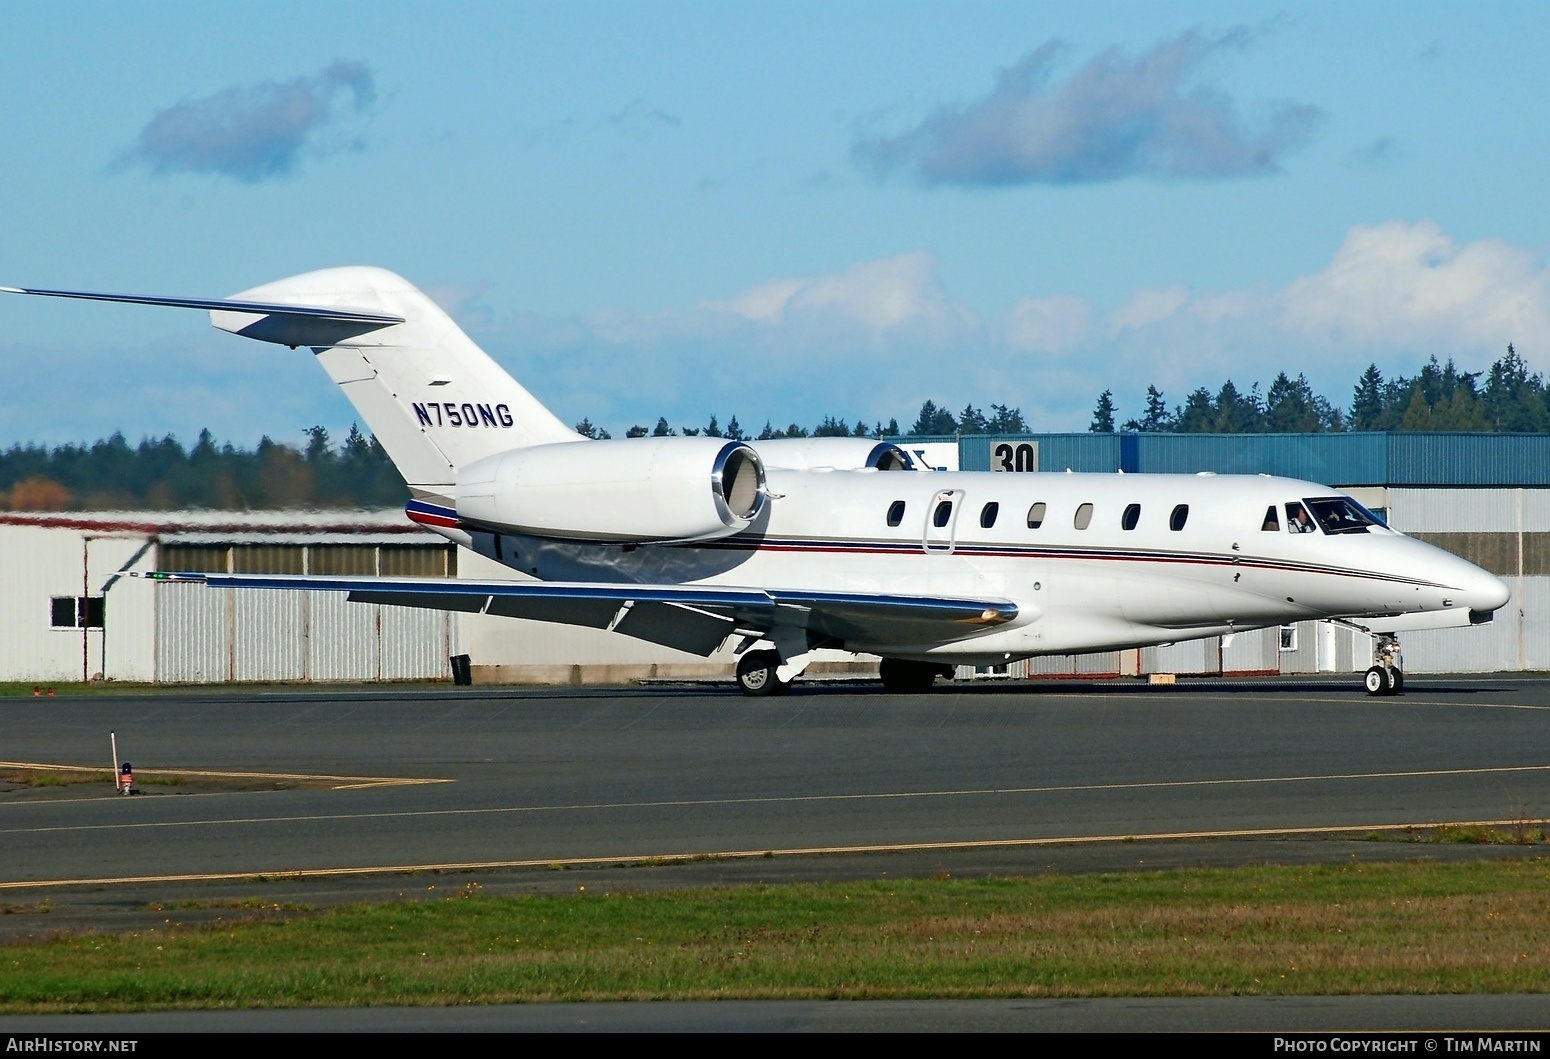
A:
x,y
840,454
632,490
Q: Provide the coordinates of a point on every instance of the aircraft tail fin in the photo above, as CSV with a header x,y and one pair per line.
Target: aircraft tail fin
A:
x,y
434,399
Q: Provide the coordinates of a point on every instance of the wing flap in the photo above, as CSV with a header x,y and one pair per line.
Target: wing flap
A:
x,y
688,629
593,613
427,600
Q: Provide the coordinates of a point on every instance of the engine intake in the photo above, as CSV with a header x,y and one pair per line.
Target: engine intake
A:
x,y
840,454
632,490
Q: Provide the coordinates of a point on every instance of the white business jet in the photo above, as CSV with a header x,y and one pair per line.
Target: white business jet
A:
x,y
785,547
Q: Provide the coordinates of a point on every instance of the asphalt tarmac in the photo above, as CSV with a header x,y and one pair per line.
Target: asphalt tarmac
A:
x,y
620,785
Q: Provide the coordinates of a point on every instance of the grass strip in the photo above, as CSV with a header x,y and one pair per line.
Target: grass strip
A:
x,y
1477,927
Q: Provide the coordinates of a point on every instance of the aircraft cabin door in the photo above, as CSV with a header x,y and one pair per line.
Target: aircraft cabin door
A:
x,y
941,528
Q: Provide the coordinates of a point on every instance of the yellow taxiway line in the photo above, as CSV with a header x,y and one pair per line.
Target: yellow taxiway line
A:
x,y
649,859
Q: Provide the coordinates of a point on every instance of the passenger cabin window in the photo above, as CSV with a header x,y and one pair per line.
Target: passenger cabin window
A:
x,y
1271,523
1036,515
1298,520
988,514
895,512
1341,514
944,512
1132,515
1179,516
1084,516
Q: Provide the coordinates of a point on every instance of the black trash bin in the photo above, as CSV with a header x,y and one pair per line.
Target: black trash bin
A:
x,y
462,670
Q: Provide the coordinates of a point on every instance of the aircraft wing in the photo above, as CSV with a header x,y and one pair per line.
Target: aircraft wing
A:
x,y
692,618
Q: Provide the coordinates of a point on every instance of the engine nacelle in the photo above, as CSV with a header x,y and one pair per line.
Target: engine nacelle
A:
x,y
841,454
634,490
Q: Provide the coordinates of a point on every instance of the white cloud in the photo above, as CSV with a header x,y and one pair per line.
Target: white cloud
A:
x,y
1410,284
1214,308
880,336
1148,306
1117,116
766,303
1049,325
256,132
879,295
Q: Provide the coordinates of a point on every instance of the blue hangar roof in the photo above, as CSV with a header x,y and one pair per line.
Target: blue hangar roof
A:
x,y
1353,459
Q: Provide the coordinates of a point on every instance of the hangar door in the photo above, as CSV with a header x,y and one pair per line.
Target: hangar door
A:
x,y
206,635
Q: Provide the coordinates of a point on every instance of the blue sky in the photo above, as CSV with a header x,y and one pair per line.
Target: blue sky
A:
x,y
776,211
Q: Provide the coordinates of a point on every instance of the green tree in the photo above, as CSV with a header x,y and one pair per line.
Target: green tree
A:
x,y
1004,420
1103,414
934,420
972,421
1418,414
1514,397
1198,414
1237,413
1156,419
1291,407
1367,400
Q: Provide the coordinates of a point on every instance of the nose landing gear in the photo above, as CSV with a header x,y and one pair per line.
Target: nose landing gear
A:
x,y
1386,677
904,677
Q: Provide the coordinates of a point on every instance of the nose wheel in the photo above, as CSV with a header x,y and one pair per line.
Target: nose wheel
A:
x,y
1385,677
904,677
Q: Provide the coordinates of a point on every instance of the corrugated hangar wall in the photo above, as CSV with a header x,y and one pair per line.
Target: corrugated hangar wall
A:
x,y
70,611
205,635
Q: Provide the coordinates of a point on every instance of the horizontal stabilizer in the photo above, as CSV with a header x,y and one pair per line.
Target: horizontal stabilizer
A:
x,y
223,305
278,322
694,618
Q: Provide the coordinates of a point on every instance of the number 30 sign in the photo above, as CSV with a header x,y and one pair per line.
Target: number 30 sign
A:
x,y
1023,456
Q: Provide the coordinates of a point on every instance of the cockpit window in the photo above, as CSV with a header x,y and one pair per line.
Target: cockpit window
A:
x,y
1271,523
1341,514
1298,520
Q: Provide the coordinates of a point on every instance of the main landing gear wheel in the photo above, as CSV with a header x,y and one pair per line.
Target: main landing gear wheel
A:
x,y
756,674
908,678
1383,681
